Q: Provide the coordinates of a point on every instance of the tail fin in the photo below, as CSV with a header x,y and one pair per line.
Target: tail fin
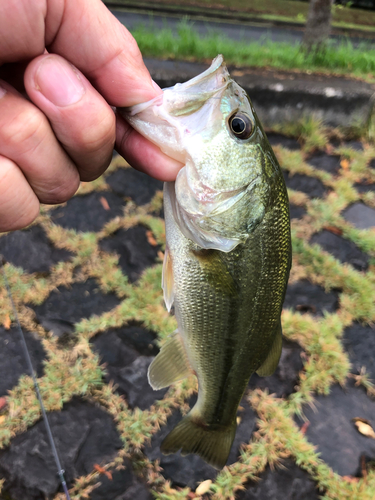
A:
x,y
189,436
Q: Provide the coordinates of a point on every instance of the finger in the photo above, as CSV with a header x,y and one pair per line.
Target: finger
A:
x,y
91,38
19,205
85,33
81,119
22,29
27,139
142,154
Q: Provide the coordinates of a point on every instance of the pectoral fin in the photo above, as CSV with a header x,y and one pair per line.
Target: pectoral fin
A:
x,y
170,365
167,281
272,360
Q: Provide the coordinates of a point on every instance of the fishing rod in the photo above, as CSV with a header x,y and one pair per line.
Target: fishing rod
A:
x,y
60,470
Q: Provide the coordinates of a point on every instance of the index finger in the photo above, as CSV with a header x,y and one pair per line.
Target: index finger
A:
x,y
85,33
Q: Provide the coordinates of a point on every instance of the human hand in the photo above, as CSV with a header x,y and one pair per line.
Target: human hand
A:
x,y
56,122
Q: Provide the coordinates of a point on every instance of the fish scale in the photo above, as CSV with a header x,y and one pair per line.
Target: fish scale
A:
x,y
228,253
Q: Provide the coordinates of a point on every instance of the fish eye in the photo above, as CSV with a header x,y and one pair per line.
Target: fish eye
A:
x,y
241,125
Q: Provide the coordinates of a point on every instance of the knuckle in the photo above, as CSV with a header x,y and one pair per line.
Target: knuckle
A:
x,y
131,44
24,216
60,193
17,29
19,206
25,131
94,138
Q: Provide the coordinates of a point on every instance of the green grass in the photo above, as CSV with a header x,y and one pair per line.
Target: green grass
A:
x,y
187,44
308,130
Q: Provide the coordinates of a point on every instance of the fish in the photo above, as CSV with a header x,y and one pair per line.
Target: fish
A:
x,y
228,252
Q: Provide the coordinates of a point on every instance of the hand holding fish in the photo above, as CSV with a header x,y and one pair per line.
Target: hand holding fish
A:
x,y
63,64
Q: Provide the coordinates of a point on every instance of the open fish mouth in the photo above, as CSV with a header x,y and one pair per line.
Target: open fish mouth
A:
x,y
183,112
188,97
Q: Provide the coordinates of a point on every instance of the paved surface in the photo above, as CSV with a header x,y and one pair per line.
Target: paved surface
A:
x,y
86,280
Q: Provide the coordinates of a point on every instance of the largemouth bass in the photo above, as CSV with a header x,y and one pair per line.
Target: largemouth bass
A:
x,y
228,252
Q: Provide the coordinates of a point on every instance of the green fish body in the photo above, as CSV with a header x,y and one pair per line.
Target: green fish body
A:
x,y
228,252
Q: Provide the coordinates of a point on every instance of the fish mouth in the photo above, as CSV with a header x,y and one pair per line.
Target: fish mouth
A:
x,y
217,63
182,112
138,108
186,98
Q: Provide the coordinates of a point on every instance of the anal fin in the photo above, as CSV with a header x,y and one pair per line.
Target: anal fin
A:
x,y
272,360
170,365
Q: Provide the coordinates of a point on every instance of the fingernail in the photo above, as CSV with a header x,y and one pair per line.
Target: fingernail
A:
x,y
57,80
